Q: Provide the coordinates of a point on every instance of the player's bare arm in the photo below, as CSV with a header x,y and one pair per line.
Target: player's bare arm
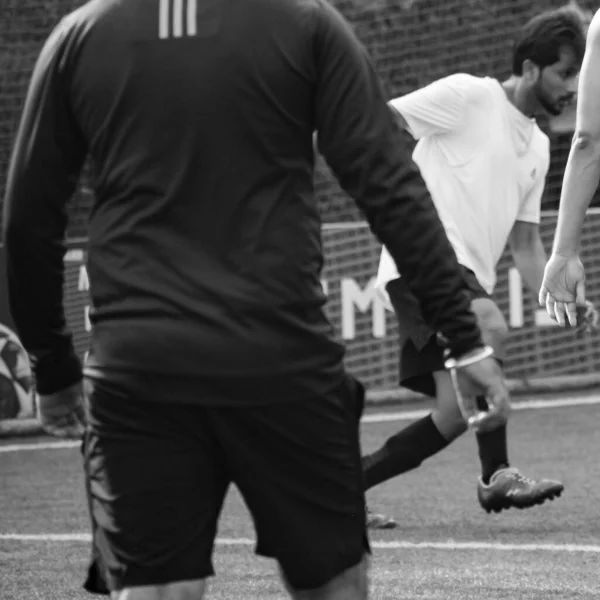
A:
x,y
48,156
563,284
528,253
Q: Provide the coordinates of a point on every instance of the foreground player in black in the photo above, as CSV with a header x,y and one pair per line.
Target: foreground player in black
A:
x,y
212,361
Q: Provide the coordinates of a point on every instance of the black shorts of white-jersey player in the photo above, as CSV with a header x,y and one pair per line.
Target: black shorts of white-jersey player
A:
x,y
484,160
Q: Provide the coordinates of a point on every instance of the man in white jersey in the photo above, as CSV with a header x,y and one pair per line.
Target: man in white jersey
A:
x,y
484,160
562,290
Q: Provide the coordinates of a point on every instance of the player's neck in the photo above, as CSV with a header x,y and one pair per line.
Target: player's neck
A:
x,y
519,97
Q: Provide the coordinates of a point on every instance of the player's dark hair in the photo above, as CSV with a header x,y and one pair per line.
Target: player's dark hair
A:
x,y
544,36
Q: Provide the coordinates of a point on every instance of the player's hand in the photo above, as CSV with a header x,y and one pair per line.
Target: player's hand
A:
x,y
62,414
563,288
484,378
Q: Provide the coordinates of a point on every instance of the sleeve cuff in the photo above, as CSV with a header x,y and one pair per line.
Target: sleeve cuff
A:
x,y
55,374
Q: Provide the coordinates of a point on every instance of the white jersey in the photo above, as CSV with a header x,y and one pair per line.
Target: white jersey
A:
x,y
484,163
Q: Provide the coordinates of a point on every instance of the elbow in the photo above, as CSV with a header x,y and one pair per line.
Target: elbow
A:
x,y
526,249
520,252
587,142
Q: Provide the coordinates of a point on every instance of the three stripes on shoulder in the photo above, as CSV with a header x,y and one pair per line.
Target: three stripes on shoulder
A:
x,y
177,18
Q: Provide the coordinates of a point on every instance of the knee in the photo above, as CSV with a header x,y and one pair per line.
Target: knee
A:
x,y
495,335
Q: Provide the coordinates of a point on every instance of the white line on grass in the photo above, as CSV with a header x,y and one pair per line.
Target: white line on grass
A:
x,y
40,446
451,545
379,417
46,537
380,545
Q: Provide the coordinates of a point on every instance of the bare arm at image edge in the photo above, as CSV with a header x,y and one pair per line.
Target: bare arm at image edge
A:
x,y
563,287
582,172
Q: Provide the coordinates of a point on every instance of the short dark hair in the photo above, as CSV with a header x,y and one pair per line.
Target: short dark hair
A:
x,y
544,36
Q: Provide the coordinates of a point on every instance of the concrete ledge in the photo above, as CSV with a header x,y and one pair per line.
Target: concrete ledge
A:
x,y
20,428
535,386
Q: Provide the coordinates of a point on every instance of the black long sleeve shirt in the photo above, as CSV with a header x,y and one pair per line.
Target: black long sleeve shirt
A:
x,y
204,250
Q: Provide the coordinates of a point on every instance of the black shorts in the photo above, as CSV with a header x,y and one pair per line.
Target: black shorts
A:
x,y
157,475
421,354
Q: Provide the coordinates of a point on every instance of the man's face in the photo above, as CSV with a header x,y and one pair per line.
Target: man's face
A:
x,y
556,85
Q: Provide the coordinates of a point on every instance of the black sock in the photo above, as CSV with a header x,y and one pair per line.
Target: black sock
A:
x,y
402,452
493,451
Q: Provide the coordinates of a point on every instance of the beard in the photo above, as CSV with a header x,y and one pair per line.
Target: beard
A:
x,y
551,106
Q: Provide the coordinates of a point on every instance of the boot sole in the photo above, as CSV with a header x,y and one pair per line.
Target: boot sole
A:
x,y
506,503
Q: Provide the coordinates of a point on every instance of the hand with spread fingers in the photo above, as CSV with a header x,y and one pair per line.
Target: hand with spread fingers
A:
x,y
62,413
563,288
